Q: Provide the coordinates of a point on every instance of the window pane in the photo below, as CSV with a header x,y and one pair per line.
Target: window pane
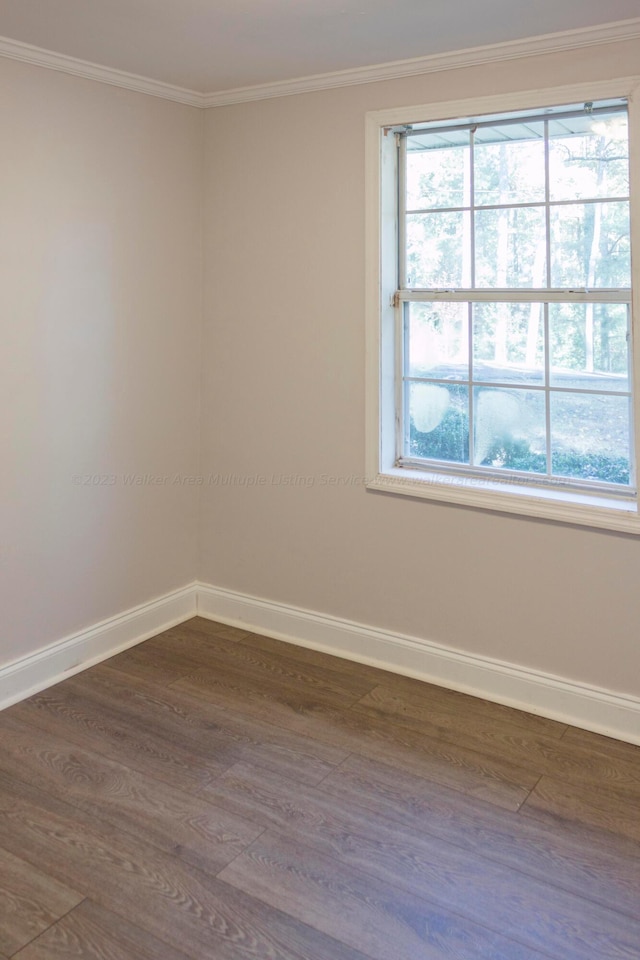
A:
x,y
590,245
437,177
439,420
511,247
509,429
438,340
593,165
438,250
511,171
590,437
508,342
540,389
588,345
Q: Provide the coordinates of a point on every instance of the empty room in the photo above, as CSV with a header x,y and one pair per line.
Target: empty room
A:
x,y
320,539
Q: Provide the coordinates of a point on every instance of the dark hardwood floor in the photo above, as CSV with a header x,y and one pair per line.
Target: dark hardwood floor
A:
x,y
217,794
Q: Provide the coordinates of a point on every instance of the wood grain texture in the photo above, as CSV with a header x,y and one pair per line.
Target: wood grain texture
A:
x,y
296,693
163,815
314,658
504,783
604,807
614,749
178,653
30,901
173,902
503,739
196,721
215,652
102,728
520,906
159,667
360,910
403,697
584,861
217,794
89,932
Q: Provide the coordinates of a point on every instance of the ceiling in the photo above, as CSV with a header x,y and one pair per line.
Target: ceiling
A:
x,y
215,45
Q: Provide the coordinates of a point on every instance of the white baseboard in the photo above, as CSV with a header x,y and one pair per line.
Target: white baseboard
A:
x,y
59,660
592,708
578,704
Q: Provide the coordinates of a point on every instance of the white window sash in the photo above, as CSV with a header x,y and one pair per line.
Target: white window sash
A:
x,y
512,493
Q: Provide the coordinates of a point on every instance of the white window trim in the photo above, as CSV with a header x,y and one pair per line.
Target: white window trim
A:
x,y
489,494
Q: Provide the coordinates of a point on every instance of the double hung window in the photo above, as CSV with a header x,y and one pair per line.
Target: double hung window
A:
x,y
506,307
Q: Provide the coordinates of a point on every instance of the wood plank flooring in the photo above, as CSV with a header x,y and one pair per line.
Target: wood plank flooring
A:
x,y
216,795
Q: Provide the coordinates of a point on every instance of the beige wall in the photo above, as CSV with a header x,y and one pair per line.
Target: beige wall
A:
x,y
100,310
284,401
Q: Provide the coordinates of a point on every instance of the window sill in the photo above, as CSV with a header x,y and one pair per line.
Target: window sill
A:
x,y
561,506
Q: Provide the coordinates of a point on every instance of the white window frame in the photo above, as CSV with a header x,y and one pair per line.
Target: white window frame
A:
x,y
382,473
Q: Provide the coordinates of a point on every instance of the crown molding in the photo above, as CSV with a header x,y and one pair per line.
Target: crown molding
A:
x,y
25,52
398,69
394,70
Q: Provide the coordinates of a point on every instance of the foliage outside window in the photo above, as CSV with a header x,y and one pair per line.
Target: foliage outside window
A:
x,y
512,307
